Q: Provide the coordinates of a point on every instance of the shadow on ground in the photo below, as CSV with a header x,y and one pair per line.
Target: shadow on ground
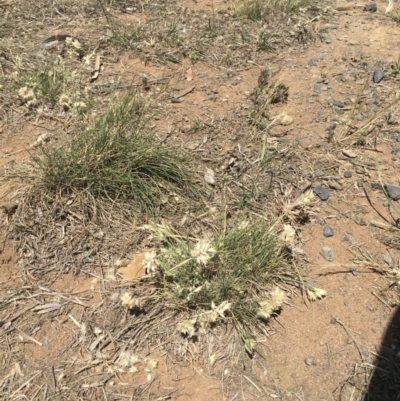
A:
x,y
385,380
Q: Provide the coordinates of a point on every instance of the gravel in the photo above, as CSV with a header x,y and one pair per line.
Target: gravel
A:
x,y
338,103
328,231
371,7
378,76
321,192
393,191
309,361
327,253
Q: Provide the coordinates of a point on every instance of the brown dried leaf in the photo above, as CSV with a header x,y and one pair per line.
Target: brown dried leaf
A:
x,y
134,269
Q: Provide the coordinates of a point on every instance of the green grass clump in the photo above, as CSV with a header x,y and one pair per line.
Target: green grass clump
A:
x,y
115,159
256,10
229,273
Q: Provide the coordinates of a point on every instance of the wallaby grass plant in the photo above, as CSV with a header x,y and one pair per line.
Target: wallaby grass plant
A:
x,y
116,159
230,272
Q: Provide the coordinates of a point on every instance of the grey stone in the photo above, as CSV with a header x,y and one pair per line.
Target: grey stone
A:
x,y
345,239
317,89
398,138
360,221
378,76
327,253
392,191
328,231
320,221
341,78
362,209
312,63
371,7
321,192
349,231
338,111
353,271
328,40
386,203
338,103
347,174
309,361
395,151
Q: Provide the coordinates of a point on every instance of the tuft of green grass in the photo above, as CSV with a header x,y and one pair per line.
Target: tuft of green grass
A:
x,y
396,18
396,67
256,10
115,159
263,41
234,268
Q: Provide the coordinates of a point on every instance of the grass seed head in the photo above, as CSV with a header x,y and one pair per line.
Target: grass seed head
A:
x,y
187,327
314,293
288,233
149,262
203,251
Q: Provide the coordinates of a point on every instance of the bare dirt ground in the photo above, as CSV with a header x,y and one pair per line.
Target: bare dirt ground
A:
x,y
324,350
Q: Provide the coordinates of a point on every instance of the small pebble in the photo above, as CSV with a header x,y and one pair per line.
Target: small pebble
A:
x,y
312,63
322,193
365,352
341,78
349,340
386,203
392,191
317,89
378,76
373,330
361,209
320,221
371,7
360,221
345,239
327,253
353,271
333,321
328,232
398,138
347,174
328,41
349,231
338,103
395,151
309,361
